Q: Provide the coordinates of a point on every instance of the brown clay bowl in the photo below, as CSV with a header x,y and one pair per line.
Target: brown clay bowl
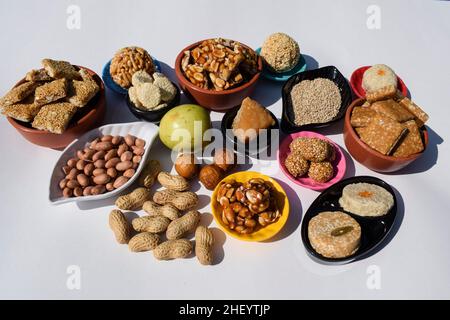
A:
x,y
370,158
84,120
220,101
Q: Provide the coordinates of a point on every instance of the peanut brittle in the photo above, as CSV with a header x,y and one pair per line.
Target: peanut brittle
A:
x,y
81,92
54,117
382,134
38,75
420,115
50,92
412,142
382,94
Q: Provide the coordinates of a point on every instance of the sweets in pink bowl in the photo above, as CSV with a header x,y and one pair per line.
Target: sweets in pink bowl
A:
x,y
319,164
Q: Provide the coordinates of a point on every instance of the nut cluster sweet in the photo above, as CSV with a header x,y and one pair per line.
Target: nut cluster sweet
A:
x,y
106,163
248,206
219,64
127,61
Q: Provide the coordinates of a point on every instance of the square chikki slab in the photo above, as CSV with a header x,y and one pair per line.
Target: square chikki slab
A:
x,y
38,75
50,92
54,117
412,142
361,116
393,110
18,93
381,94
421,116
382,134
23,111
60,69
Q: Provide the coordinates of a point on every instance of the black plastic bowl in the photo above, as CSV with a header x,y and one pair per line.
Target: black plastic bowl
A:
x,y
332,73
254,151
153,116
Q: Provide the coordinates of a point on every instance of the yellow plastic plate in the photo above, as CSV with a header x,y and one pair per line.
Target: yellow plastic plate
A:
x,y
263,233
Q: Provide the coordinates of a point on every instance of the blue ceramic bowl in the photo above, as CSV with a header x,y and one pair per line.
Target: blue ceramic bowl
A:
x,y
109,82
283,76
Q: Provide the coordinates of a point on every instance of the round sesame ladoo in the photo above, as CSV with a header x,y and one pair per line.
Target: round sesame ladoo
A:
x,y
312,149
321,171
378,77
334,234
296,165
280,52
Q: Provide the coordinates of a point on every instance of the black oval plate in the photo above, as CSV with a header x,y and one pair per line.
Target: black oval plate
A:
x,y
373,229
226,126
331,73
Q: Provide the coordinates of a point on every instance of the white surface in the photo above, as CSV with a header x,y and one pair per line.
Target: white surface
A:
x,y
144,130
38,242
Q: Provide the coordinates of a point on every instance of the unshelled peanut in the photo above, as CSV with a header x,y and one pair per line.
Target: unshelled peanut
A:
x,y
153,224
167,210
173,249
149,173
204,241
181,200
172,182
133,200
144,241
180,227
120,226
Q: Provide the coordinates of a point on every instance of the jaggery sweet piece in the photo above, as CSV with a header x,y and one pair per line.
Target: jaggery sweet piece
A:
x,y
23,111
50,92
250,119
412,143
81,92
421,116
60,69
18,93
382,134
361,116
54,117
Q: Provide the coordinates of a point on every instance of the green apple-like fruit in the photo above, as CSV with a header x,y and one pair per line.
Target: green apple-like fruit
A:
x,y
182,127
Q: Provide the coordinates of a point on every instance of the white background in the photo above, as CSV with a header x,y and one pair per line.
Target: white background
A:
x,y
38,242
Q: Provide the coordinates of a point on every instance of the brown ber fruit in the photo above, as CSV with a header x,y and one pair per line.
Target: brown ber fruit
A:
x,y
178,228
210,176
204,241
225,159
186,165
120,226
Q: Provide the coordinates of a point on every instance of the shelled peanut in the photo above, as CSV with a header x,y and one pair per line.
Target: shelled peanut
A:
x,y
104,165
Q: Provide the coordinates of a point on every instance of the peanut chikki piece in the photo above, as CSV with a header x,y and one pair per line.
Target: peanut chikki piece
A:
x,y
361,116
387,92
412,143
23,111
81,92
50,92
54,117
393,110
60,69
18,93
38,75
382,134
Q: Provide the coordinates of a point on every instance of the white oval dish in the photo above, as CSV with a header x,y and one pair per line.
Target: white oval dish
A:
x,y
144,130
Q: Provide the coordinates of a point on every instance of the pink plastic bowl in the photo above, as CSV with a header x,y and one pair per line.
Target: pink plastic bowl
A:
x,y
339,164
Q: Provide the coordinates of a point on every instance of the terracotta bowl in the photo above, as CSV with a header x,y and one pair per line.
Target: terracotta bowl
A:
x,y
84,120
370,158
220,101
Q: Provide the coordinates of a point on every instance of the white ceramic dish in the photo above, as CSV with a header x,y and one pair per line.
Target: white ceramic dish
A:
x,y
144,130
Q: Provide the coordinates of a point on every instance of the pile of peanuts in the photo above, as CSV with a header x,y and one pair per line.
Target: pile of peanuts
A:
x,y
105,164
